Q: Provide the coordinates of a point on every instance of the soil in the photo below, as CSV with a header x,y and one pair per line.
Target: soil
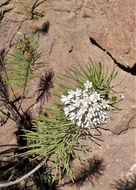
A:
x,y
103,30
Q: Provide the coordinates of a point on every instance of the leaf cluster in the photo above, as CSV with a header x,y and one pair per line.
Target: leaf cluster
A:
x,y
59,139
98,74
22,61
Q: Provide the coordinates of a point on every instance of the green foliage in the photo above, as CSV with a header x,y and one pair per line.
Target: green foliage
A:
x,y
98,74
23,59
94,72
56,137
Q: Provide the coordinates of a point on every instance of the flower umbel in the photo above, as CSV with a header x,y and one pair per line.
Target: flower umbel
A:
x,y
85,108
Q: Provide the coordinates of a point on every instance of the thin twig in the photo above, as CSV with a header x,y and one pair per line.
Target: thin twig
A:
x,y
25,176
3,145
7,114
36,4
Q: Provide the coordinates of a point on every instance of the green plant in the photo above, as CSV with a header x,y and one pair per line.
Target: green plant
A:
x,y
19,74
56,137
53,136
96,73
23,60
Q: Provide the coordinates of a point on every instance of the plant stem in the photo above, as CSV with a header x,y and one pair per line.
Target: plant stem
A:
x,y
25,176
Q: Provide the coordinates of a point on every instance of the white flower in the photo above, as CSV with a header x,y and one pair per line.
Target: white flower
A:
x,y
78,92
71,93
66,111
76,104
85,108
95,97
72,116
71,107
65,99
85,94
88,85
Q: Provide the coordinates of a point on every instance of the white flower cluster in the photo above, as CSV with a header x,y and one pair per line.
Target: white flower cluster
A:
x,y
85,108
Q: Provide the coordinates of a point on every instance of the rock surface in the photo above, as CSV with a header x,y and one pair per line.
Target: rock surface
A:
x,y
103,30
